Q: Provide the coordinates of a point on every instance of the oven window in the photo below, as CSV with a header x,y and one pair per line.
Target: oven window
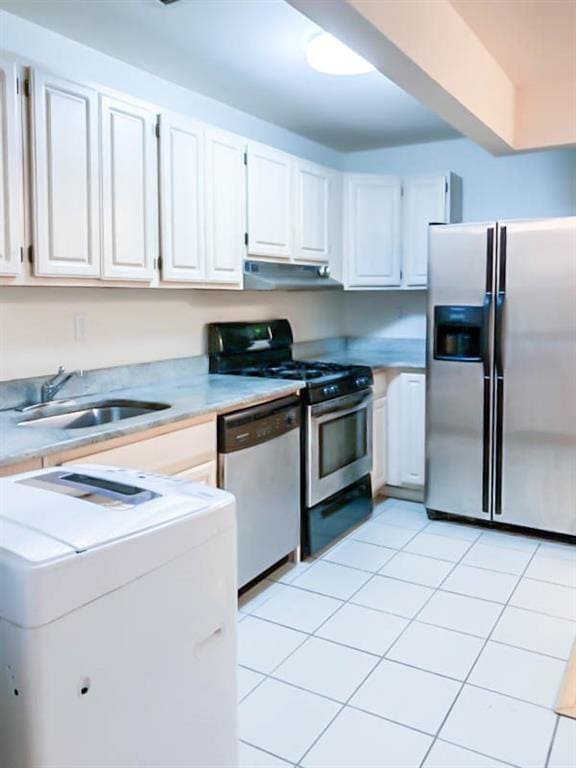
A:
x,y
342,441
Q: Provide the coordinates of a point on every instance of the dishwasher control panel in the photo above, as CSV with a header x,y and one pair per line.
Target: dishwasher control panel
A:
x,y
259,424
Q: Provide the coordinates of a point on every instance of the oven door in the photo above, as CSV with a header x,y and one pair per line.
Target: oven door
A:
x,y
338,444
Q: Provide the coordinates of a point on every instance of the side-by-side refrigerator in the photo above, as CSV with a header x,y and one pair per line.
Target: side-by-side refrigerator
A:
x,y
501,385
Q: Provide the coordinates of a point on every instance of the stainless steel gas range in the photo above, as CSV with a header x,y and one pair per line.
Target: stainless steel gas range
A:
x,y
336,444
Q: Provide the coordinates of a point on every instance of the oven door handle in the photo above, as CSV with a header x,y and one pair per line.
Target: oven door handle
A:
x,y
328,410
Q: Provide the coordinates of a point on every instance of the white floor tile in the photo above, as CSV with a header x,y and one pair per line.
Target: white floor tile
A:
x,y
326,668
497,558
390,536
563,753
479,582
500,727
436,650
263,645
417,569
359,740
556,570
247,681
404,518
535,632
519,673
256,596
444,755
364,628
284,720
453,530
464,614
380,505
332,579
359,554
407,696
297,608
250,757
393,596
290,571
540,596
441,547
558,549
510,540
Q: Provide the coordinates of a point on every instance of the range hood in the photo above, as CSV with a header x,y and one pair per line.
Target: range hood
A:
x,y
262,276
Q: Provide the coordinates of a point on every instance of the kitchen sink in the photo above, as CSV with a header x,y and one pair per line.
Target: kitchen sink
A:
x,y
55,416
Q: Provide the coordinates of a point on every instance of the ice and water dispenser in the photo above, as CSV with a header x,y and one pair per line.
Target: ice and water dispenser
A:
x,y
459,333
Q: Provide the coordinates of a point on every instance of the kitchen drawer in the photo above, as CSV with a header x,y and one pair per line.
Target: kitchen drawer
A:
x,y
203,473
21,466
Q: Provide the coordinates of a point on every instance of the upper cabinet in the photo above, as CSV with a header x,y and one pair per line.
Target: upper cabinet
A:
x,y
313,193
65,177
386,227
11,170
372,231
270,202
129,190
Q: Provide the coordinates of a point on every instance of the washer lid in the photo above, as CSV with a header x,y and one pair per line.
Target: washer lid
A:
x,y
70,511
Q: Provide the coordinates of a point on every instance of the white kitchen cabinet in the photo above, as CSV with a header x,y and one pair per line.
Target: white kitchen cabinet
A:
x,y
270,202
11,170
182,210
225,208
372,231
379,440
313,190
406,430
65,177
425,200
129,189
204,474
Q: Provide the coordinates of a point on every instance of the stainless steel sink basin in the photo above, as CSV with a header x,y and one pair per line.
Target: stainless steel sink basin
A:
x,y
56,416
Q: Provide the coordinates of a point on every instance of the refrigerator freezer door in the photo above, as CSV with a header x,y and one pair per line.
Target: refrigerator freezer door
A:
x,y
458,442
538,429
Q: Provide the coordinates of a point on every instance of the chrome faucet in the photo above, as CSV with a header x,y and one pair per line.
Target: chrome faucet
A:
x,y
52,386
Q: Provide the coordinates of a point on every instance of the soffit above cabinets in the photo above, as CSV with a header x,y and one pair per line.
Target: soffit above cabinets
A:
x,y
248,54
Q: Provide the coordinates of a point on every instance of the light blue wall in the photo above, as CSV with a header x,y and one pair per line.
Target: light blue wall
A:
x,y
529,185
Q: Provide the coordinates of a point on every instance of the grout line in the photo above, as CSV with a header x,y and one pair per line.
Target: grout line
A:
x,y
552,741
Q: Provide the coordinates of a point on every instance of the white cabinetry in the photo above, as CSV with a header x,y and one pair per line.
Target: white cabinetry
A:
x,y
425,200
270,202
379,438
65,168
129,190
372,231
11,171
225,207
406,429
182,229
312,220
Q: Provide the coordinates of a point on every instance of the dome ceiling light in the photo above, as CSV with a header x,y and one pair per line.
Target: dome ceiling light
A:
x,y
327,54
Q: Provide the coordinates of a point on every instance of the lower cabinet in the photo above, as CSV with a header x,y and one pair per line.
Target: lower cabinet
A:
x,y
379,448
204,473
406,430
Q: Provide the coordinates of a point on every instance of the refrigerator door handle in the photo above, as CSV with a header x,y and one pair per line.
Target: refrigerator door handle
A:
x,y
487,307
499,365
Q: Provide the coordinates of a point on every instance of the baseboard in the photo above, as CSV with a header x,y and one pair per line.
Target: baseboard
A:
x,y
407,494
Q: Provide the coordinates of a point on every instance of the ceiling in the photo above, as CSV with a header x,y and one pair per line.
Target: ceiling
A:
x,y
534,41
249,54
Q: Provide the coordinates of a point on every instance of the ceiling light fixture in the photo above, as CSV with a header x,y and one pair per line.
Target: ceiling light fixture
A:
x,y
327,54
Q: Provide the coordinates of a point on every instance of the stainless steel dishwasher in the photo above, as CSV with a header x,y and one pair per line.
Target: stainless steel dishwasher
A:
x,y
259,462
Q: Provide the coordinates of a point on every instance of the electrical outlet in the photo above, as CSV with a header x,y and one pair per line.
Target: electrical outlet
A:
x,y
79,327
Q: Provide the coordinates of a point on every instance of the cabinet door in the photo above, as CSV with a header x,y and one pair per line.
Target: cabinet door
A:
x,y
372,251
182,199
379,438
225,207
65,168
129,190
424,201
313,192
11,171
413,421
203,473
270,202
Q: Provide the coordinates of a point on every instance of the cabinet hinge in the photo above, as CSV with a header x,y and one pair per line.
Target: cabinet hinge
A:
x,y
17,85
157,129
401,191
245,158
31,254
245,238
446,185
26,86
160,262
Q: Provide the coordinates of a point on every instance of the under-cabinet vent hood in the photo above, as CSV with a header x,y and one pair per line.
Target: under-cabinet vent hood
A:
x,y
262,276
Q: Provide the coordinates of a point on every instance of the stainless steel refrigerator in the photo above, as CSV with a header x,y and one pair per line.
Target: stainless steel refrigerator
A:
x,y
501,385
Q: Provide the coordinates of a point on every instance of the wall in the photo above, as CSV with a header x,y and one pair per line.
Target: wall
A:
x,y
530,185
125,326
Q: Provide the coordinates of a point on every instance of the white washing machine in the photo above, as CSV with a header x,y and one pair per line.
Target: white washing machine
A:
x,y
117,621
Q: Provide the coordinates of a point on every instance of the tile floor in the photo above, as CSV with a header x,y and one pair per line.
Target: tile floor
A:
x,y
410,644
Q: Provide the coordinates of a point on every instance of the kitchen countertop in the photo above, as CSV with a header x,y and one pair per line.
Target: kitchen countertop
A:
x,y
202,394
377,359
